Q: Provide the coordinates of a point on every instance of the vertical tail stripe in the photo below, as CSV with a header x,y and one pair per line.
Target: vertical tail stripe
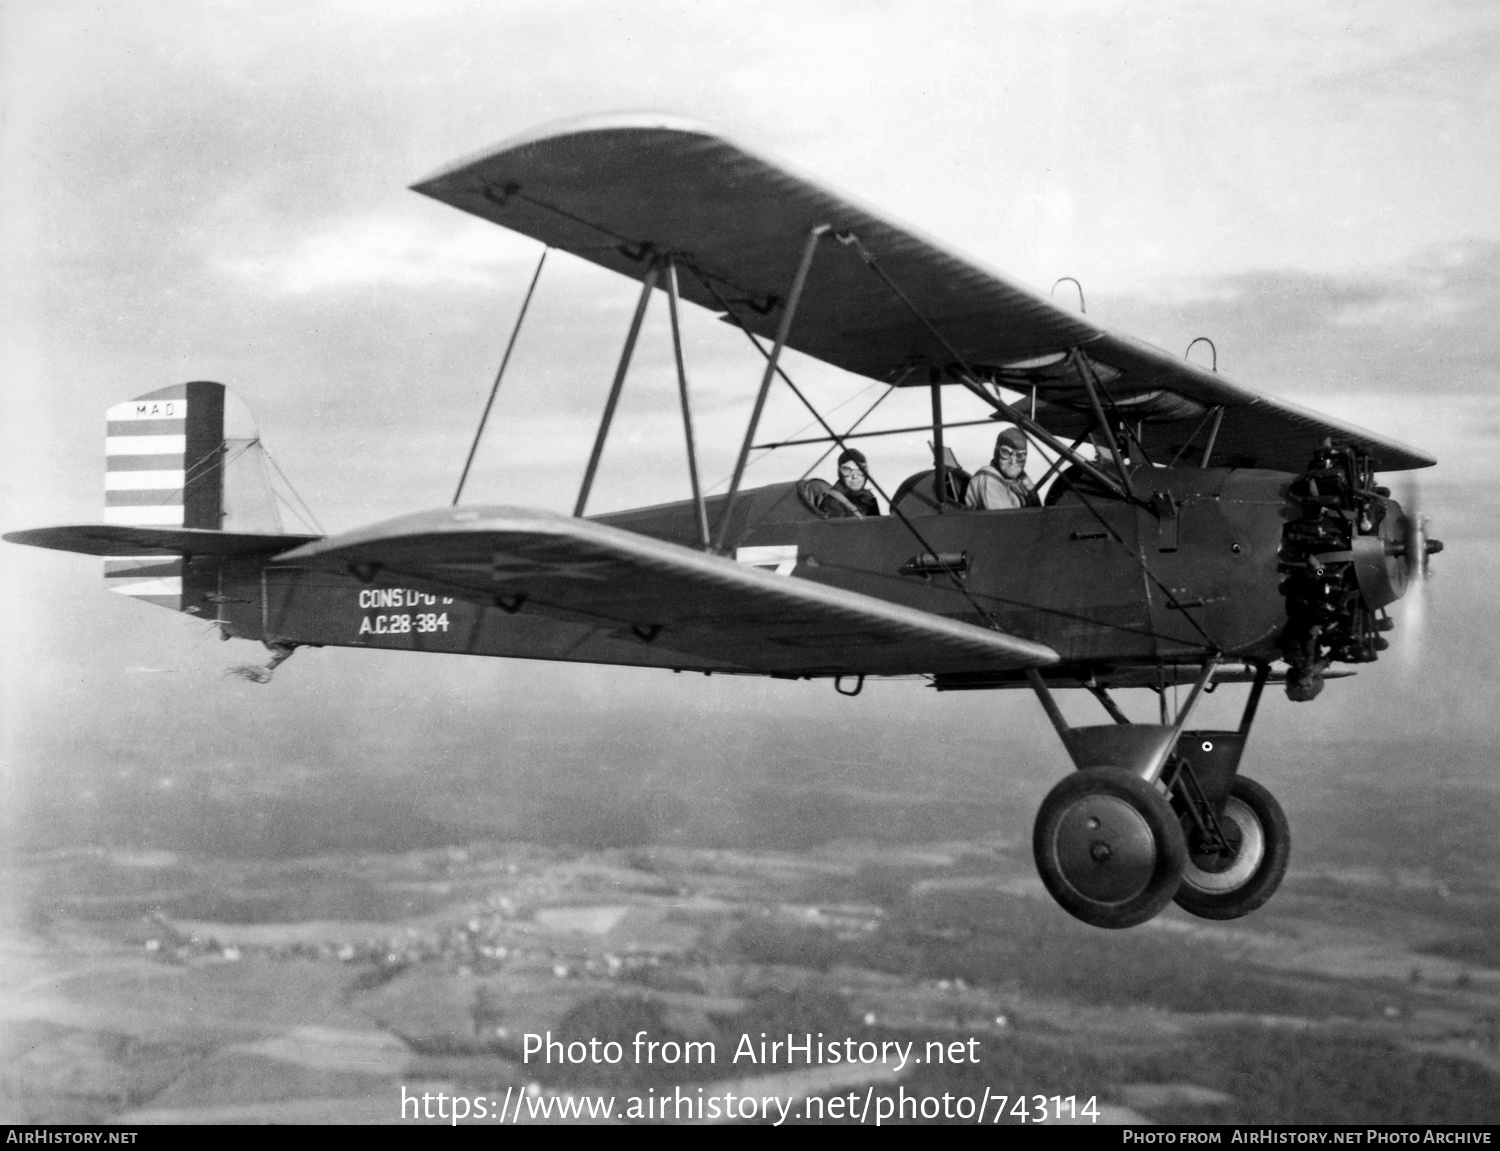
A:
x,y
143,463
152,428
163,465
157,515
139,481
145,427
145,446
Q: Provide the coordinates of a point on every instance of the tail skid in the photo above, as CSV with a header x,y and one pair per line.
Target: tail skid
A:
x,y
255,673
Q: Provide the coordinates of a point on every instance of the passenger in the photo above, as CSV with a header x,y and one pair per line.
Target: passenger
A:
x,y
1002,483
851,490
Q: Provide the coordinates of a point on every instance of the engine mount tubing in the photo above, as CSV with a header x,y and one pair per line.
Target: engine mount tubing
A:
x,y
687,415
648,285
783,330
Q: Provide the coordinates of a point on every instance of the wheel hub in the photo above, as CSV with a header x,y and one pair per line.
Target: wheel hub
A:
x,y
1207,855
1105,849
1227,872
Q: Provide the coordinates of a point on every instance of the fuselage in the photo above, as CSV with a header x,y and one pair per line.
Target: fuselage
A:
x,y
1104,583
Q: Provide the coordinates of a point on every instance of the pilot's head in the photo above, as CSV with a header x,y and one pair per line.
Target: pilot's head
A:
x,y
1010,453
853,470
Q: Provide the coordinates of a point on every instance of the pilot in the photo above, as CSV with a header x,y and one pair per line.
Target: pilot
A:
x,y
1002,483
852,488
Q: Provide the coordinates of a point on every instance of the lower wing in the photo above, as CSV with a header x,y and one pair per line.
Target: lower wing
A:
x,y
662,594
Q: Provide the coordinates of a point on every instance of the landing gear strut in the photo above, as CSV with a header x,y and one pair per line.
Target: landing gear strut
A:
x,y
1233,879
1156,814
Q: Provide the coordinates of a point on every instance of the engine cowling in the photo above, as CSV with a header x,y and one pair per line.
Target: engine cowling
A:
x,y
1347,552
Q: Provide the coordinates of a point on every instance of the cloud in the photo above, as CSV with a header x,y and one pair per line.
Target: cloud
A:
x,y
374,251
219,191
1420,326
1461,69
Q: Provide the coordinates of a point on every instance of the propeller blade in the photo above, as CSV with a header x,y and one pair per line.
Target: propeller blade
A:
x,y
1418,547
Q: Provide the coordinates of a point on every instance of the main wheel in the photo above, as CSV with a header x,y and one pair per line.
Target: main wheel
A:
x,y
1109,847
1218,885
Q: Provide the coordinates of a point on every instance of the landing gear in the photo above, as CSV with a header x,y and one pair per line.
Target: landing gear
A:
x,y
1155,813
1109,847
1232,874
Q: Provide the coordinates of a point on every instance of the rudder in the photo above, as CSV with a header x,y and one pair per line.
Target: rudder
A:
x,y
172,459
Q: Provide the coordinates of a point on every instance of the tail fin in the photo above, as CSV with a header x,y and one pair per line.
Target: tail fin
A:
x,y
185,456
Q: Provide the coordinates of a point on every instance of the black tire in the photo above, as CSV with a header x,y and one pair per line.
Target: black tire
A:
x,y
1109,847
1215,887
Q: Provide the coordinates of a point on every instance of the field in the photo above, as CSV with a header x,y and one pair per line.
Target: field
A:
x,y
160,981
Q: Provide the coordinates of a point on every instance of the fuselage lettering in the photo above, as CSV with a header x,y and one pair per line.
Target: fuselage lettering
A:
x,y
425,622
398,597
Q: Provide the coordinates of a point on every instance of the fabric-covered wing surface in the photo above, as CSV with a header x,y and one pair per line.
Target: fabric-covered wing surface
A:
x,y
613,188
120,540
661,593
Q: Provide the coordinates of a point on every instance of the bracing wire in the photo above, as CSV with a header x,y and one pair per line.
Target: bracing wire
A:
x,y
310,519
870,262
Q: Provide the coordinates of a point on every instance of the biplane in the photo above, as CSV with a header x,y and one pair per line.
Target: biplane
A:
x,y
1195,532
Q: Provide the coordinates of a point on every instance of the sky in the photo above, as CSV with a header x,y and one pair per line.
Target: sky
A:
x,y
220,191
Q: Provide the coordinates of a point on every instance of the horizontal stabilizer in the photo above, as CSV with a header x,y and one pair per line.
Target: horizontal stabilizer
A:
x,y
120,540
663,594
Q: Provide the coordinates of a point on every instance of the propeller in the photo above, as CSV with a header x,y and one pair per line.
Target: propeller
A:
x,y
1414,552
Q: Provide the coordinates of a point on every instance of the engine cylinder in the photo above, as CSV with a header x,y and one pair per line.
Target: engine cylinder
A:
x,y
1340,562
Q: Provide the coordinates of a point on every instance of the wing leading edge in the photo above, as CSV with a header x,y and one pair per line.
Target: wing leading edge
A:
x,y
662,594
613,188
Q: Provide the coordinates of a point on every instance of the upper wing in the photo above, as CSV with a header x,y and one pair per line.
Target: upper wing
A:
x,y
613,188
664,594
